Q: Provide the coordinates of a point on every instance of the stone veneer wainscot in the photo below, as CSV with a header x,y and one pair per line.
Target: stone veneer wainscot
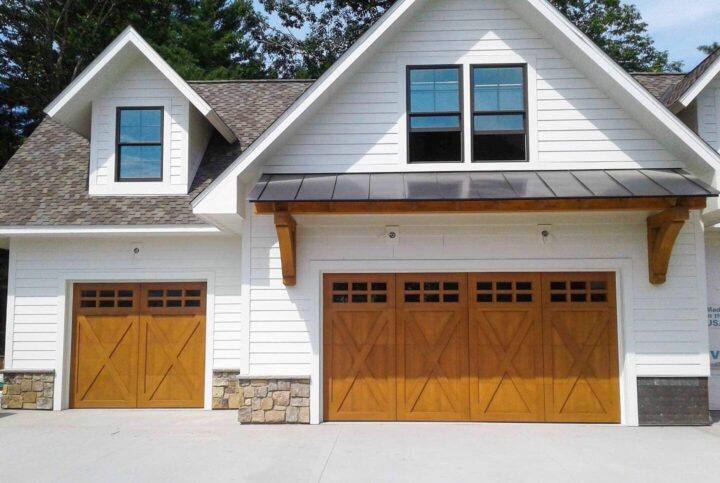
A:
x,y
274,400
226,390
28,390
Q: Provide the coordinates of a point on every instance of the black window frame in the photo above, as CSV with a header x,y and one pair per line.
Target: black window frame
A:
x,y
524,113
118,144
411,115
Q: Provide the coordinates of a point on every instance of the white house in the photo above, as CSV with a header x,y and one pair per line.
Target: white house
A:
x,y
474,215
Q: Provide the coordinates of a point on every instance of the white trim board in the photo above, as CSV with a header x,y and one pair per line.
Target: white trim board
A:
x,y
128,37
16,231
691,94
542,16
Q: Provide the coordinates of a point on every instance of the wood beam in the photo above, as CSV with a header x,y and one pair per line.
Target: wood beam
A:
x,y
286,227
663,230
478,206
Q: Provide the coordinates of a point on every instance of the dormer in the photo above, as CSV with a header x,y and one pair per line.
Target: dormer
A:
x,y
148,128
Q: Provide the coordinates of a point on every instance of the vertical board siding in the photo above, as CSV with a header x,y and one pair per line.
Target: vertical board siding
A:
x,y
666,320
141,84
360,128
42,265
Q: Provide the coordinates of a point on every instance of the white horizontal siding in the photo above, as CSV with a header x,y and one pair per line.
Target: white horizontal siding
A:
x,y
40,266
666,322
360,128
708,112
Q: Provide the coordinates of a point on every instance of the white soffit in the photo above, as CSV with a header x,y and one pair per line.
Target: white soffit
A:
x,y
72,105
543,17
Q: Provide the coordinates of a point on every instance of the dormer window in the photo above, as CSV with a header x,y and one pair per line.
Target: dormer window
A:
x,y
139,144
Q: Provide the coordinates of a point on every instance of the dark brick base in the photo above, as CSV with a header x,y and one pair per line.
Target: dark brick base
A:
x,y
673,401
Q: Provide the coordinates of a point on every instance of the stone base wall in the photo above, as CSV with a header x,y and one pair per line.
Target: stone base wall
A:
x,y
673,401
274,401
226,390
28,391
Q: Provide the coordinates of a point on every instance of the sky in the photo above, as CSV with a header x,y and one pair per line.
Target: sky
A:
x,y
680,26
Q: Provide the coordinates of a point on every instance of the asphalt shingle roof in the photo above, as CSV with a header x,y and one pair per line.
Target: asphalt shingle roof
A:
x,y
46,182
673,94
658,83
670,87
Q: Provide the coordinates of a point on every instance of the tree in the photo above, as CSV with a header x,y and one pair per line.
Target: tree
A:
x,y
45,44
709,48
333,25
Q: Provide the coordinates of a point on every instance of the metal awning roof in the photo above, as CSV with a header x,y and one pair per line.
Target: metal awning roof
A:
x,y
495,185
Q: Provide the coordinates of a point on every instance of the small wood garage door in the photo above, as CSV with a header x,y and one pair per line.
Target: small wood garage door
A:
x,y
471,347
138,345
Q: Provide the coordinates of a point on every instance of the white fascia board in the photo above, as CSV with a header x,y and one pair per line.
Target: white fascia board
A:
x,y
691,94
15,231
205,203
685,139
130,36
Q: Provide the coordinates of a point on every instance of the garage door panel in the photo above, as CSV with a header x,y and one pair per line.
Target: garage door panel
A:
x,y
359,348
506,348
105,346
432,347
580,348
172,361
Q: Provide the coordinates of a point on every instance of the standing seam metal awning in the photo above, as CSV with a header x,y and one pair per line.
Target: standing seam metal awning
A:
x,y
495,185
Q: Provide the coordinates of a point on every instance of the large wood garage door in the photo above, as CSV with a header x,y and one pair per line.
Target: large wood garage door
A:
x,y
138,345
481,347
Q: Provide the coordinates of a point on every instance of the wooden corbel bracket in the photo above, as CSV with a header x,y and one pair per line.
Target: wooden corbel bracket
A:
x,y
663,230
285,226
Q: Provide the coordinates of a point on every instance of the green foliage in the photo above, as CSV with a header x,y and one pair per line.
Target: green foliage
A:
x,y
619,30
333,26
45,44
709,48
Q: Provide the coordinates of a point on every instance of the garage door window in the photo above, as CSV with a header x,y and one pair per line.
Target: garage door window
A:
x,y
504,292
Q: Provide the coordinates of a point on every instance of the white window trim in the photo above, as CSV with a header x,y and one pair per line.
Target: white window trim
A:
x,y
466,61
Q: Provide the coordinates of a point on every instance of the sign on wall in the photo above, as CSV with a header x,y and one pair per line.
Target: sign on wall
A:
x,y
712,252
714,328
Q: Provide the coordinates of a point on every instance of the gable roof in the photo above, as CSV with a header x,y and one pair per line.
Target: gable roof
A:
x,y
45,182
684,92
71,100
542,15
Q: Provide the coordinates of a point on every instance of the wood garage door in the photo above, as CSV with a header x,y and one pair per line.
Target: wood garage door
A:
x,y
471,347
138,345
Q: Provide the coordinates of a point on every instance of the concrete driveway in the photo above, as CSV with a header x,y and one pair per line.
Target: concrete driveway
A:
x,y
191,445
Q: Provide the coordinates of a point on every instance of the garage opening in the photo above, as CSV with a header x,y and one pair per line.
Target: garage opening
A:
x,y
521,347
138,345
